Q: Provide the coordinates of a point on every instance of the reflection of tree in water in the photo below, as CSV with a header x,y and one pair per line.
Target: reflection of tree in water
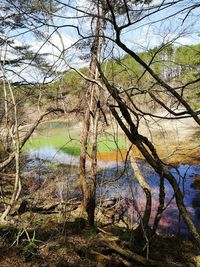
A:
x,y
196,184
196,199
121,184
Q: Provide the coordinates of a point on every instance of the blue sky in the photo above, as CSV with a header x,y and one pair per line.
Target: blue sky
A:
x,y
148,33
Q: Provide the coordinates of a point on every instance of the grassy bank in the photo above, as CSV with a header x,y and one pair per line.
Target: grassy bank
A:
x,y
70,143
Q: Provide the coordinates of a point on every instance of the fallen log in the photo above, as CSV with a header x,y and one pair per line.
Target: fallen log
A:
x,y
130,255
48,209
103,260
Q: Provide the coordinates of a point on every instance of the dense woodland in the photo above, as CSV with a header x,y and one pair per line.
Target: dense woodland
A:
x,y
73,62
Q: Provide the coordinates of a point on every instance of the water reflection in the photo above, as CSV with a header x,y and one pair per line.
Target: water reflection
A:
x,y
116,180
127,187
55,155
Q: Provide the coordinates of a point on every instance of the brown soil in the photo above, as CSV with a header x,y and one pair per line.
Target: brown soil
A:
x,y
176,141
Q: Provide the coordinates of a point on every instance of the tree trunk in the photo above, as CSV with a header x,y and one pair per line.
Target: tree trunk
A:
x,y
91,115
92,190
161,205
16,142
16,190
147,190
83,156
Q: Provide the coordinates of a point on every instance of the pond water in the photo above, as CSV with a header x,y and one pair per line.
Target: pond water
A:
x,y
53,142
127,188
65,137
116,180
55,155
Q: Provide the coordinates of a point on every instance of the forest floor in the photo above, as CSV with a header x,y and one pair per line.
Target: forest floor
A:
x,y
45,231
53,243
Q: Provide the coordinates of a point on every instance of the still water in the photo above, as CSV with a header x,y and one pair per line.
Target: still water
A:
x,y
116,179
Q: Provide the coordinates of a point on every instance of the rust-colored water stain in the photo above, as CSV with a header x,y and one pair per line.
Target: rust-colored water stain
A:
x,y
118,156
112,156
181,154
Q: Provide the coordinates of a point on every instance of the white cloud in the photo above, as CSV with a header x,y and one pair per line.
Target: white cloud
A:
x,y
53,45
141,38
181,39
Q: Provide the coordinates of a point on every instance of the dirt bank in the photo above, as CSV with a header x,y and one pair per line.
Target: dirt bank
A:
x,y
176,141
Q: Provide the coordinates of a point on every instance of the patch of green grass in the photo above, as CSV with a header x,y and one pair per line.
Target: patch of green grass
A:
x,y
66,144
108,143
71,149
61,142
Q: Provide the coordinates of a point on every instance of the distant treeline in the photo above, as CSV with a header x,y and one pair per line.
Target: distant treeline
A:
x,y
169,62
180,65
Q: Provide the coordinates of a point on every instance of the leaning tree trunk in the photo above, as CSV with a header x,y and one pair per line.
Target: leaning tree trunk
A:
x,y
147,190
158,166
147,149
16,189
